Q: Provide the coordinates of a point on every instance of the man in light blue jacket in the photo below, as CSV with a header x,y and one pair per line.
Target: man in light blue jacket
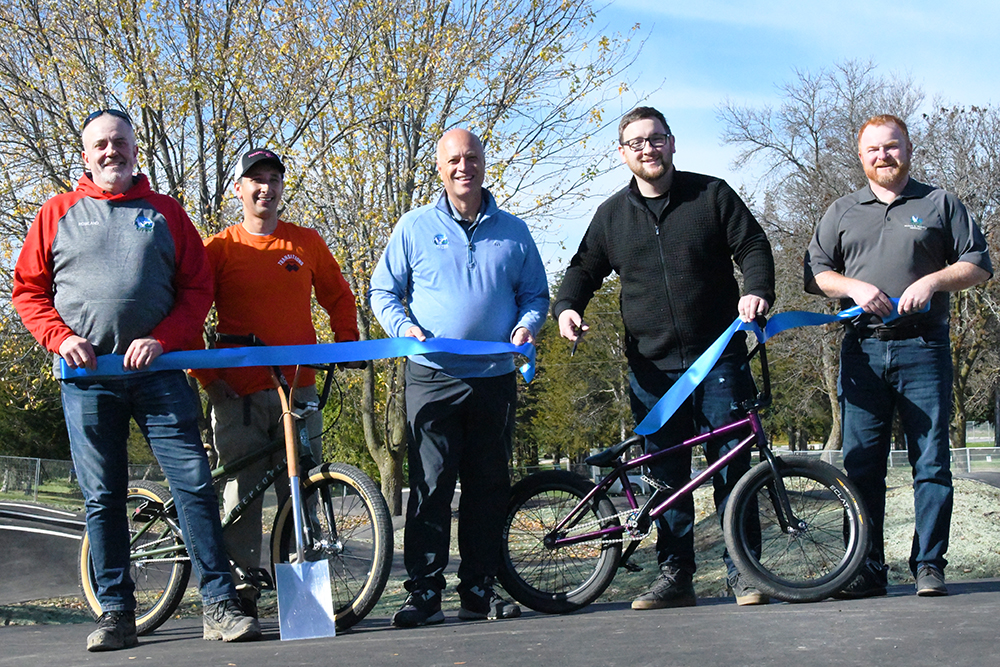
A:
x,y
459,268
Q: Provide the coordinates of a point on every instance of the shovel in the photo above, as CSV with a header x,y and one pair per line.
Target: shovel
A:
x,y
305,599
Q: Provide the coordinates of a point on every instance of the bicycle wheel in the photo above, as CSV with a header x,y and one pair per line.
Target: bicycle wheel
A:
x,y
159,563
354,536
809,561
564,579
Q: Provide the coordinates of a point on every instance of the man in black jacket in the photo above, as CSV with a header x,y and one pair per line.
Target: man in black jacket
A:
x,y
672,237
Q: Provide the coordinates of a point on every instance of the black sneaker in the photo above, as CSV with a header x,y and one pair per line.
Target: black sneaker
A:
x,y
115,630
226,621
745,592
870,583
482,602
673,588
421,608
930,581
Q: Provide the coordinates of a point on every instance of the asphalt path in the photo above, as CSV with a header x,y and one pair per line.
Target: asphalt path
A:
x,y
900,629
39,546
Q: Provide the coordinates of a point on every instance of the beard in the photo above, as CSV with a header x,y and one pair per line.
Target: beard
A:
x,y
887,178
649,171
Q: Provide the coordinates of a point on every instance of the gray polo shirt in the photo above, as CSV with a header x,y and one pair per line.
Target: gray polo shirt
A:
x,y
892,245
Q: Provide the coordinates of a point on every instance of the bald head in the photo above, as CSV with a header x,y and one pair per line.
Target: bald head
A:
x,y
462,165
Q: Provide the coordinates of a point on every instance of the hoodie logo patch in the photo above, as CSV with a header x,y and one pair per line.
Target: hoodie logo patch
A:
x,y
440,240
291,262
143,224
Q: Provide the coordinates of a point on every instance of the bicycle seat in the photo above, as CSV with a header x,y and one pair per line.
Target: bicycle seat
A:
x,y
607,458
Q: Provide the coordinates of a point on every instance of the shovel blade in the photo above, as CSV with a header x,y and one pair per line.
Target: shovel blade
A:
x,y
305,600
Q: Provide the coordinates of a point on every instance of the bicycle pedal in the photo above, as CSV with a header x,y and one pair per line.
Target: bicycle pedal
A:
x,y
656,484
147,511
262,579
629,566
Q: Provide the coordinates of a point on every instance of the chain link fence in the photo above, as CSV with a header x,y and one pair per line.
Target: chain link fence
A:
x,y
53,482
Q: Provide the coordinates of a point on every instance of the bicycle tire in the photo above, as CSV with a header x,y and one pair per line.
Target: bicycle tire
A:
x,y
563,580
160,580
361,558
809,564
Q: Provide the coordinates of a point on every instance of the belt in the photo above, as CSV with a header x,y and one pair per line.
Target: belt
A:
x,y
893,333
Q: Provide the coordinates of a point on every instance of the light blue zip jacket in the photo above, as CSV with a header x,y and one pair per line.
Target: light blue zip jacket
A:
x,y
483,288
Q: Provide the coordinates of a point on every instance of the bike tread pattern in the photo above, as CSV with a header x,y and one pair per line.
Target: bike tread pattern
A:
x,y
160,580
817,558
562,580
361,558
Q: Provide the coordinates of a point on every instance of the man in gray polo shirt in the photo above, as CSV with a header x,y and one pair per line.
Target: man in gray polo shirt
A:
x,y
897,238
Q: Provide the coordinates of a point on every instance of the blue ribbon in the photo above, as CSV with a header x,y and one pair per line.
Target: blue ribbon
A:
x,y
292,355
697,372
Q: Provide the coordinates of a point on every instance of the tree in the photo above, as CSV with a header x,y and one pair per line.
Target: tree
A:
x,y
354,94
579,401
807,147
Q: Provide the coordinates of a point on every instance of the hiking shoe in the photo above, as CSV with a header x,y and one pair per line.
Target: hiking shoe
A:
x,y
869,583
421,608
930,581
745,592
115,630
480,603
673,588
225,620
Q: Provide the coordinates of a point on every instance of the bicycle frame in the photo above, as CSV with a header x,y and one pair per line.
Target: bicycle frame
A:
x,y
641,518
228,469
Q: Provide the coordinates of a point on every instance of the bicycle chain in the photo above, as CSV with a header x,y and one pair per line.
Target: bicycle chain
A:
x,y
624,518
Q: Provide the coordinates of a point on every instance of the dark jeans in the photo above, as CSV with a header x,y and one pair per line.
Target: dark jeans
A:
x,y
163,405
711,405
913,376
456,428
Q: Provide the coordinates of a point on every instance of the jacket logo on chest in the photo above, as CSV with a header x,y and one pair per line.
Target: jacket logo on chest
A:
x,y
143,224
291,262
440,240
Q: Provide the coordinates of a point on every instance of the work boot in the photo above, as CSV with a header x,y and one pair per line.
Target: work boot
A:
x,y
115,630
673,588
482,602
422,607
225,620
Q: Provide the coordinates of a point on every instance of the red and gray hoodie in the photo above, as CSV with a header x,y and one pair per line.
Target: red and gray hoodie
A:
x,y
112,268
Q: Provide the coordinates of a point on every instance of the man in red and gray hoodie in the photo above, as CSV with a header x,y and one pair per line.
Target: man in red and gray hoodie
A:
x,y
115,268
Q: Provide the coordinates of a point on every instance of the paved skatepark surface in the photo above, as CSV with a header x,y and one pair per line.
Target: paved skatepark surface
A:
x,y
900,629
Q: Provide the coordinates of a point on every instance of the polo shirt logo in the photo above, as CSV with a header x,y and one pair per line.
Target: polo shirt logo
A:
x,y
440,240
916,223
143,224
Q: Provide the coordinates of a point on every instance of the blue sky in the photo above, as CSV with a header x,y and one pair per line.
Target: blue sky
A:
x,y
701,52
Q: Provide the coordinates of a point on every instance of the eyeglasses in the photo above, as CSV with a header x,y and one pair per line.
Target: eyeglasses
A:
x,y
655,140
111,112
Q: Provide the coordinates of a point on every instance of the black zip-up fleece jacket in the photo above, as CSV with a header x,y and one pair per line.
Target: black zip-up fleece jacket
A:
x,y
679,291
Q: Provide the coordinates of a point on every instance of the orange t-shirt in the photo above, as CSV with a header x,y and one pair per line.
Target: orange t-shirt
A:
x,y
264,286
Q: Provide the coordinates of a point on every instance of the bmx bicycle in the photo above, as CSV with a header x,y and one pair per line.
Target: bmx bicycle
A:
x,y
794,526
349,527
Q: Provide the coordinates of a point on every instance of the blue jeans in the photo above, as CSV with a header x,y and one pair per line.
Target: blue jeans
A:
x,y
712,404
97,414
913,376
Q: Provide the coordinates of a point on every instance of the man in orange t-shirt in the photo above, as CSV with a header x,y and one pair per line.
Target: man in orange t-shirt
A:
x,y
265,273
